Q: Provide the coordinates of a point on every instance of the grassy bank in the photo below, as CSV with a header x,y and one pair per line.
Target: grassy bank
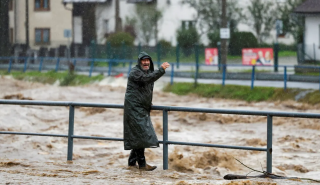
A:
x,y
51,77
242,92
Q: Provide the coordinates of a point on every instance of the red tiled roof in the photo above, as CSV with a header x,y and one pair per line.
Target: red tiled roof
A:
x,y
309,7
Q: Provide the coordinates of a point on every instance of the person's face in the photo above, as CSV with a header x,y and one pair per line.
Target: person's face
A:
x,y
260,54
145,64
267,54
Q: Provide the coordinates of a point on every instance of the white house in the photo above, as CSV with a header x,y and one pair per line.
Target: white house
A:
x,y
310,9
173,13
44,25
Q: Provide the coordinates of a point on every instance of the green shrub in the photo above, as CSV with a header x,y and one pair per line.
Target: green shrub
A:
x,y
214,38
165,47
119,45
187,38
240,40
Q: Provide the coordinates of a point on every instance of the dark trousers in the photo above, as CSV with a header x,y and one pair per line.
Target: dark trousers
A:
x,y
137,155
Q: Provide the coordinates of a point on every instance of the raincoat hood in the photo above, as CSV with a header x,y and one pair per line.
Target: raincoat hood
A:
x,y
142,55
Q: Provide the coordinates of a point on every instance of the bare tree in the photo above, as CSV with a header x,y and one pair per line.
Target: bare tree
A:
x,y
118,25
209,14
292,24
262,16
147,16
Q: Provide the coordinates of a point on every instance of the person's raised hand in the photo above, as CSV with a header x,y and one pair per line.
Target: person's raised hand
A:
x,y
165,65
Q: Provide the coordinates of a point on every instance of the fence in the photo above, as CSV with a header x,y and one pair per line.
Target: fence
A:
x,y
165,110
113,67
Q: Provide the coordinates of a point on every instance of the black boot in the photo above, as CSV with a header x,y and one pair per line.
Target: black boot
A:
x,y
132,158
140,157
142,161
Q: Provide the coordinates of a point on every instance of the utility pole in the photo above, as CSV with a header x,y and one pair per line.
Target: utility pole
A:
x,y
27,24
117,17
4,28
224,47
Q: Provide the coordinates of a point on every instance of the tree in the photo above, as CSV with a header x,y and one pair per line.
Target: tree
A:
x,y
187,38
291,24
147,16
4,28
208,18
262,16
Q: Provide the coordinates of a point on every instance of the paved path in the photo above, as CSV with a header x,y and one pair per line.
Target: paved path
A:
x,y
280,84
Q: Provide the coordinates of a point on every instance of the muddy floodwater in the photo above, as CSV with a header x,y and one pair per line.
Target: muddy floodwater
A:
x,y
43,160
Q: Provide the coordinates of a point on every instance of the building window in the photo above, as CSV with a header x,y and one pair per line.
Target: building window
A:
x,y
41,5
10,5
106,26
42,36
11,35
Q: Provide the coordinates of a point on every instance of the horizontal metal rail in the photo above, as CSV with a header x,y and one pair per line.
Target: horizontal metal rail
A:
x,y
168,108
165,110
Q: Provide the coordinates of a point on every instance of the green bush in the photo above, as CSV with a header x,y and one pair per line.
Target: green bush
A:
x,y
214,38
165,47
186,39
119,45
240,40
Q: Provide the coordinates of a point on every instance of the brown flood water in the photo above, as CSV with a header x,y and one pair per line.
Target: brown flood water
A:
x,y
42,160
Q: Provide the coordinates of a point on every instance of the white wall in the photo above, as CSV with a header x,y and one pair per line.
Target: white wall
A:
x,y
173,14
312,36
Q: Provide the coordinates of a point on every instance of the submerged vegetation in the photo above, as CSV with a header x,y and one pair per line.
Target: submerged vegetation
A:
x,y
51,77
243,92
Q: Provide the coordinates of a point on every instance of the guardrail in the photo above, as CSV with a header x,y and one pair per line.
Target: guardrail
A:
x,y
88,65
165,110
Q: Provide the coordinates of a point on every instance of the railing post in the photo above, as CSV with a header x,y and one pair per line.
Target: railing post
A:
x,y
74,63
91,67
110,67
25,65
252,76
223,74
275,56
319,79
165,139
269,144
172,74
70,133
314,52
178,55
40,65
130,65
285,77
10,64
57,65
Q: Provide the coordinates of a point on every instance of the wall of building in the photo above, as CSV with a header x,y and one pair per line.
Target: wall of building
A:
x,y
312,36
57,20
173,13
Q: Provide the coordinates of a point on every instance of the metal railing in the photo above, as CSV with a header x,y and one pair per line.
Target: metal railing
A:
x,y
88,65
165,110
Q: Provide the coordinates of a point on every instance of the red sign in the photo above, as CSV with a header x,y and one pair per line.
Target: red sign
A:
x,y
211,56
257,56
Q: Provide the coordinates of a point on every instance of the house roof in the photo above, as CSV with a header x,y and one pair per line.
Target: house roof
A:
x,y
308,7
85,1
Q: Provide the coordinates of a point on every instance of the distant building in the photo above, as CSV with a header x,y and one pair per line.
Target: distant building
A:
x,y
310,9
48,23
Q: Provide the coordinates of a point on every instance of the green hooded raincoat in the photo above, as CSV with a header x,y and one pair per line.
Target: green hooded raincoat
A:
x,y
138,131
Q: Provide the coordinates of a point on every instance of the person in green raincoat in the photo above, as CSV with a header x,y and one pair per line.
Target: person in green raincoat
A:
x,y
138,131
